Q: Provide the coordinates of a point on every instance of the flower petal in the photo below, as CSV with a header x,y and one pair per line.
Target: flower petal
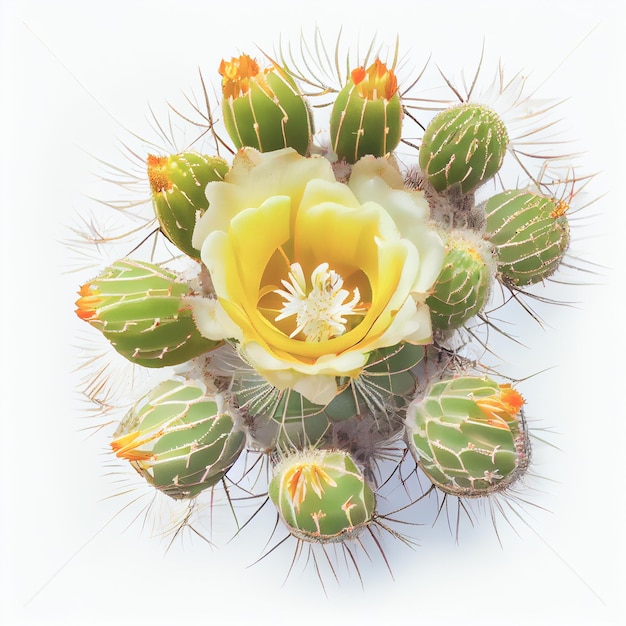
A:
x,y
376,180
278,210
211,319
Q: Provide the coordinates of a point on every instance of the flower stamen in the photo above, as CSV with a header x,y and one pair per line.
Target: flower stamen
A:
x,y
320,311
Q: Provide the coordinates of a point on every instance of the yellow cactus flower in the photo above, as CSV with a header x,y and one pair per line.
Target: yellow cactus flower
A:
x,y
310,274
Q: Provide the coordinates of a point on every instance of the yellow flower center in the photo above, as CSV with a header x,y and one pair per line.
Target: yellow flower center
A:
x,y
319,310
237,75
375,82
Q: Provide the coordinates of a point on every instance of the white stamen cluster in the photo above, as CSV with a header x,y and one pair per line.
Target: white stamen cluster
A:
x,y
320,311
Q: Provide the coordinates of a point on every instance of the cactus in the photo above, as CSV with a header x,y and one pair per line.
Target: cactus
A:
x,y
178,183
263,109
463,147
530,233
139,308
180,438
321,495
469,435
347,301
463,286
367,114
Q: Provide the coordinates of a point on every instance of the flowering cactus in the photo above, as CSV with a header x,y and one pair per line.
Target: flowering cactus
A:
x,y
328,300
263,109
469,436
180,438
321,495
303,330
367,114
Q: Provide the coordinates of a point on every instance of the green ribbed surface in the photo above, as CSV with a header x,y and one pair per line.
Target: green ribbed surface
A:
x,y
271,119
462,287
459,446
359,126
321,495
531,235
178,186
463,147
141,313
189,438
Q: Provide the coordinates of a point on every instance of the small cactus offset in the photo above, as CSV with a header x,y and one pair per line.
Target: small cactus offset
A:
x,y
463,147
140,308
263,109
322,306
322,495
367,115
178,183
530,233
181,439
463,286
469,436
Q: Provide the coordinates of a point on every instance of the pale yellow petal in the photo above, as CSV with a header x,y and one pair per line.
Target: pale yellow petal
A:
x,y
211,319
317,389
225,201
411,323
282,172
377,180
255,235
431,253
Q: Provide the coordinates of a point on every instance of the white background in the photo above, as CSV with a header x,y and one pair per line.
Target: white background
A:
x,y
68,69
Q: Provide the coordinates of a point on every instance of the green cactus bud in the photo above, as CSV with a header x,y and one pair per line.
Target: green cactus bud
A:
x,y
463,147
367,114
263,109
180,438
178,184
321,495
464,282
139,308
469,436
530,233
